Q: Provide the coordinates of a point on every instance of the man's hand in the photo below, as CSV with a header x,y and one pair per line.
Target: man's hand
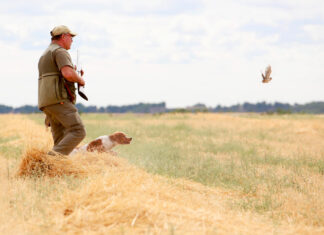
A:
x,y
81,71
81,82
71,75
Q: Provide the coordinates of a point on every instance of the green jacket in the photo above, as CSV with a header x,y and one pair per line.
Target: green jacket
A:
x,y
52,87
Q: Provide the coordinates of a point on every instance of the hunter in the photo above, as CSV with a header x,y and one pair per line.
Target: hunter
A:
x,y
56,92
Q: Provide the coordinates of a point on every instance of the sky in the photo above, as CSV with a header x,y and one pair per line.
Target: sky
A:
x,y
181,52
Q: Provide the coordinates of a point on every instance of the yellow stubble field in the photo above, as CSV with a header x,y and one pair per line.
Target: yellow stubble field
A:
x,y
183,174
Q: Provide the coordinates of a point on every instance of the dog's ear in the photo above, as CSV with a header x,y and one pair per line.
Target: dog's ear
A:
x,y
120,138
116,137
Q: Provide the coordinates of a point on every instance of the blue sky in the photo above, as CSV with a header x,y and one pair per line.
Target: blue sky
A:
x,y
178,51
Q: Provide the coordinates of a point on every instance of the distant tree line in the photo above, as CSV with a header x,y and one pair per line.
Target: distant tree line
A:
x,y
277,107
261,107
134,108
21,109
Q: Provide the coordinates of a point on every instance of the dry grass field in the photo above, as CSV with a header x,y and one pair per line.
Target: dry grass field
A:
x,y
182,174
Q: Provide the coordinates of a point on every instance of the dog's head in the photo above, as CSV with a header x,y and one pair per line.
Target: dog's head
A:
x,y
120,138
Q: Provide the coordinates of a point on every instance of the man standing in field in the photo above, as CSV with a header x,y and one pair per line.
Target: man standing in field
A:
x,y
56,92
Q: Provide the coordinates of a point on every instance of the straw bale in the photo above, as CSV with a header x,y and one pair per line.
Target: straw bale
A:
x,y
36,163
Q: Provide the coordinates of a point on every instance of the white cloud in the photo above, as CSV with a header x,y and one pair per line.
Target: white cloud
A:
x,y
315,31
181,52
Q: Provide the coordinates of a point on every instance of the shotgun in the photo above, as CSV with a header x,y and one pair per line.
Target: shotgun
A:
x,y
80,88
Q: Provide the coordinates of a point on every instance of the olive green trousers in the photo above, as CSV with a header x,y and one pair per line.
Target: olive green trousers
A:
x,y
66,126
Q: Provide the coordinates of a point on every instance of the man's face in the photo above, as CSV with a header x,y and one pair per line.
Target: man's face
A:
x,y
67,40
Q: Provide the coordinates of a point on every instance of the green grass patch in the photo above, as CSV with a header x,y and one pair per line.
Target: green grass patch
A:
x,y
10,152
38,118
4,140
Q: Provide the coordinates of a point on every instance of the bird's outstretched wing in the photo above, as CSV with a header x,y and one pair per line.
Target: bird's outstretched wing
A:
x,y
266,78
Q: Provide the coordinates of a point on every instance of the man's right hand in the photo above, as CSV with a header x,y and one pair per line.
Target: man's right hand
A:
x,y
71,75
81,82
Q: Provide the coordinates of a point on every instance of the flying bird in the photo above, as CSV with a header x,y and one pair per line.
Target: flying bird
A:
x,y
266,77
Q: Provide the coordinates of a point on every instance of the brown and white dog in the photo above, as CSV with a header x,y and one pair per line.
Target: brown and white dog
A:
x,y
104,143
